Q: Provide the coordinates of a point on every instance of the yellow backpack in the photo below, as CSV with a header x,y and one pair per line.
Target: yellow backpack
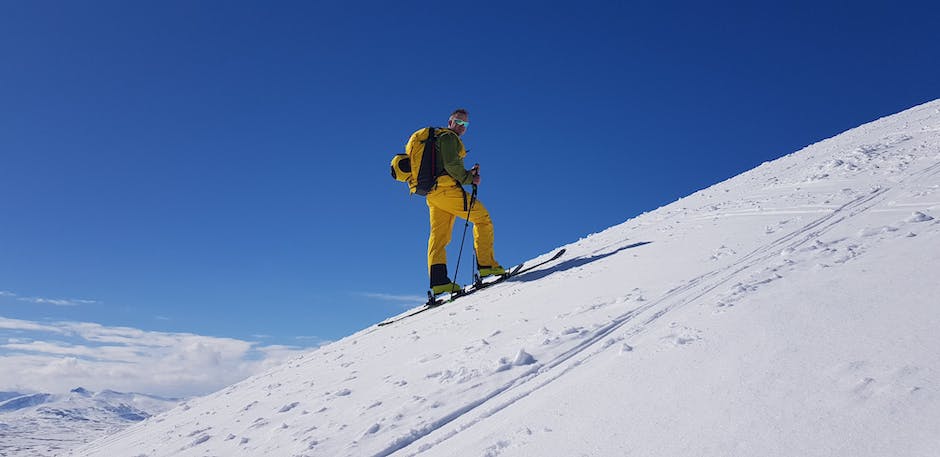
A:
x,y
421,150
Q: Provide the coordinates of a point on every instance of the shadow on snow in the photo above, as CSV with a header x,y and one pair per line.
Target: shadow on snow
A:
x,y
573,263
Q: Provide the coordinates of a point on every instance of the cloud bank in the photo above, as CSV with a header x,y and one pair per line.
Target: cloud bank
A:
x,y
59,356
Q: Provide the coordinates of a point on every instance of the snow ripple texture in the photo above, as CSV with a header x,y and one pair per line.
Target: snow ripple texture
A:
x,y
790,310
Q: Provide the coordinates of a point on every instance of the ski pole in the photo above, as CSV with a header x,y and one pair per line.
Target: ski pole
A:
x,y
466,223
473,274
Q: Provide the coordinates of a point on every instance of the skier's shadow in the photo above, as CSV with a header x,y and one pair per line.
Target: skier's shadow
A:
x,y
573,263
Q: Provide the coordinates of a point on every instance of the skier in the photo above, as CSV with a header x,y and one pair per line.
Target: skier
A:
x,y
448,199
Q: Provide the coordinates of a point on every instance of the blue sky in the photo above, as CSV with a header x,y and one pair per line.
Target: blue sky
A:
x,y
221,168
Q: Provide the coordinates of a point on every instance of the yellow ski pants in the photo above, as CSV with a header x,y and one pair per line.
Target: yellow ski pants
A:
x,y
447,203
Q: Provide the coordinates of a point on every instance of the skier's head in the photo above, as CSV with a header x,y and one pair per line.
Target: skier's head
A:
x,y
459,121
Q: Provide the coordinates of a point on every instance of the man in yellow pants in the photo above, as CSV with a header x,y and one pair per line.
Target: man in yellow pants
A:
x,y
449,200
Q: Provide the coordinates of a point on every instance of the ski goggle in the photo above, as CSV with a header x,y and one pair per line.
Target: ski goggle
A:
x,y
461,122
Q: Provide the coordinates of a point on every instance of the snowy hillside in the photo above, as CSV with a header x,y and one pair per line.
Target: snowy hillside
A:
x,y
790,311
34,425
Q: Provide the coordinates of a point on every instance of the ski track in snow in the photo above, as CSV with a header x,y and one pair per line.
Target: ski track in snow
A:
x,y
542,374
453,395
693,290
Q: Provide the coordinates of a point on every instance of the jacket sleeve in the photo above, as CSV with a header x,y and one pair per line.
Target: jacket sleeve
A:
x,y
453,163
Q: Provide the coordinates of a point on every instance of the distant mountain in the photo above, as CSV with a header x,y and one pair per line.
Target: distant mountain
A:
x,y
24,401
8,395
43,424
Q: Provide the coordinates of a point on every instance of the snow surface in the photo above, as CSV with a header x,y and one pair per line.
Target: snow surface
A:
x,y
790,311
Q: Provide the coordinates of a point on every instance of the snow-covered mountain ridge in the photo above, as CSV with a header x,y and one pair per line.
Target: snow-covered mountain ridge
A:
x,y
791,310
43,424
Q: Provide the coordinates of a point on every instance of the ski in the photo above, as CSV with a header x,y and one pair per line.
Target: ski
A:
x,y
434,302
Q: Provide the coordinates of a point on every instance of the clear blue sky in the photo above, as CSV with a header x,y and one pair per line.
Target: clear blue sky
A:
x,y
221,168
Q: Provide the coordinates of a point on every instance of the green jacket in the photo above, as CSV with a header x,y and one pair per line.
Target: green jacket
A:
x,y
452,153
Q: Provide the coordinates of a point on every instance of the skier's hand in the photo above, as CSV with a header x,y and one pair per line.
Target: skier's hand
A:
x,y
475,171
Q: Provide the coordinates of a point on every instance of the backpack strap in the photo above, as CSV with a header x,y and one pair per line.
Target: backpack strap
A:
x,y
427,173
431,144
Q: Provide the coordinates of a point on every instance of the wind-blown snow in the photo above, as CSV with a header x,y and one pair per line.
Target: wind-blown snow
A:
x,y
791,310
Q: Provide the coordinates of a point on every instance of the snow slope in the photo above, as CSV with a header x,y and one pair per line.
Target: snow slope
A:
x,y
791,310
42,424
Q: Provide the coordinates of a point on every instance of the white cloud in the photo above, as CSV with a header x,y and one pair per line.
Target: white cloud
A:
x,y
16,324
127,359
48,301
56,301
